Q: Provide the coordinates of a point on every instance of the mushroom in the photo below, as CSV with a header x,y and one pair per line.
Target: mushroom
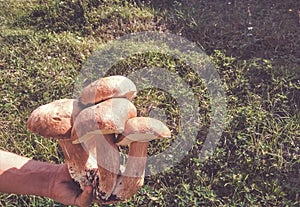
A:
x,y
107,117
96,162
108,87
96,127
55,119
138,132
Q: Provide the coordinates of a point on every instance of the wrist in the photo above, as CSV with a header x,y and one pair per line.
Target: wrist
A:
x,y
21,175
40,176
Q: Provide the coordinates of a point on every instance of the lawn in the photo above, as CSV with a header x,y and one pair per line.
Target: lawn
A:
x,y
254,48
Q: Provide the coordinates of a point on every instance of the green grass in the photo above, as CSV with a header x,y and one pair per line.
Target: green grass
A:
x,y
256,162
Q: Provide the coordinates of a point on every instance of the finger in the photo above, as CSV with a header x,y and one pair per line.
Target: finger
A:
x,y
85,198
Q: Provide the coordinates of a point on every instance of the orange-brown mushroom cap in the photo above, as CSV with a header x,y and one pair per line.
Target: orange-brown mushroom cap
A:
x,y
109,87
55,119
143,129
107,117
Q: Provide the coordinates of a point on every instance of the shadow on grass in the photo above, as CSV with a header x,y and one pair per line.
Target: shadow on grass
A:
x,y
264,29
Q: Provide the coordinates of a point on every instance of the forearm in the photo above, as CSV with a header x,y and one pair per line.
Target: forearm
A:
x,y
21,175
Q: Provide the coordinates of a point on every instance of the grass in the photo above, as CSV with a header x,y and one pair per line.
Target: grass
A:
x,y
255,49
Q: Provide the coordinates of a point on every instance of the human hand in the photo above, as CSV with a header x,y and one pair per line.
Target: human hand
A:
x,y
63,189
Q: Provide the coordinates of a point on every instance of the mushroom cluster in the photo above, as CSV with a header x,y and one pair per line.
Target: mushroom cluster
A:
x,y
90,130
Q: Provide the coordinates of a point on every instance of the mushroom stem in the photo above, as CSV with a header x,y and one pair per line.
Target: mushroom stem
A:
x,y
133,177
108,160
76,158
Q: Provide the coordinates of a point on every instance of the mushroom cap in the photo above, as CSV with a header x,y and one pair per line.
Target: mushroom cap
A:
x,y
109,87
143,129
55,119
107,117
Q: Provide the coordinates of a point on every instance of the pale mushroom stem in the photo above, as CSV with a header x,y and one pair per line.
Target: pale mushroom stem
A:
x,y
74,154
138,149
76,158
108,160
133,177
137,158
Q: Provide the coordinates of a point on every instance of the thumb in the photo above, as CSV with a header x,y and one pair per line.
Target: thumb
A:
x,y
85,198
